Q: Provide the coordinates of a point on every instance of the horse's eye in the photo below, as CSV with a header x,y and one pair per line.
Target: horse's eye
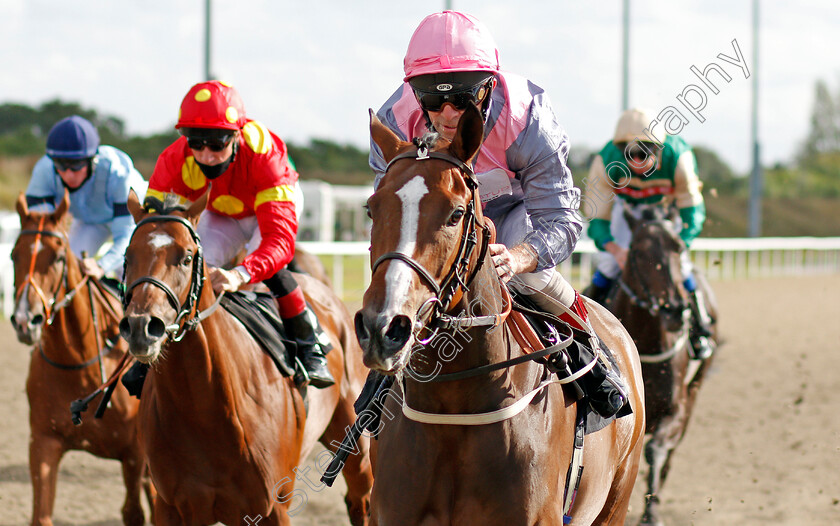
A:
x,y
367,210
188,259
456,216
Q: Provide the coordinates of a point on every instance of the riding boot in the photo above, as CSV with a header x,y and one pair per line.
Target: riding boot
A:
x,y
602,385
312,348
599,288
700,332
134,378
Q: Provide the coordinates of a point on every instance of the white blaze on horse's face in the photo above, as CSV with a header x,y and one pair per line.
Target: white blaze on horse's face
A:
x,y
400,275
159,240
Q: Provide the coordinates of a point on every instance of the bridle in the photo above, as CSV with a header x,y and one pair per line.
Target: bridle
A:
x,y
651,305
653,308
176,330
52,305
458,279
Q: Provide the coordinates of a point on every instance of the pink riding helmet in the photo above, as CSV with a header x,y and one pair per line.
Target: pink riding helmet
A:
x,y
448,42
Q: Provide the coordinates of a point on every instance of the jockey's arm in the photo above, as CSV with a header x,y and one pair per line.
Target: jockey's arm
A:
x,y
278,228
688,197
597,204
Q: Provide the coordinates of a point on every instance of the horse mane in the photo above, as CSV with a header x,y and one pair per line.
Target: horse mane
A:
x,y
171,203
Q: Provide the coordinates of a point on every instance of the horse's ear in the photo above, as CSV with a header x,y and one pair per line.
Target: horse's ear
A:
x,y
469,135
20,206
673,214
386,139
62,207
134,206
195,209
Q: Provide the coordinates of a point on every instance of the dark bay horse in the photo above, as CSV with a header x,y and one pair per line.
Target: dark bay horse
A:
x,y
53,311
494,447
652,303
223,429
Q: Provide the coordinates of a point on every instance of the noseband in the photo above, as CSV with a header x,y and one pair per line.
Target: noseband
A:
x,y
459,276
196,283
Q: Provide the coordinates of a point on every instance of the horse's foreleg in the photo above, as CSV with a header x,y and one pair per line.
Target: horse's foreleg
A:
x,y
150,490
357,470
133,465
44,456
658,453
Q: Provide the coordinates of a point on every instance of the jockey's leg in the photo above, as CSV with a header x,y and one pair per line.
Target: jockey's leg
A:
x,y
701,322
608,270
302,326
603,386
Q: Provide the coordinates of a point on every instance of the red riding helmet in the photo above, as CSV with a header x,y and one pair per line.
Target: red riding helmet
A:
x,y
212,104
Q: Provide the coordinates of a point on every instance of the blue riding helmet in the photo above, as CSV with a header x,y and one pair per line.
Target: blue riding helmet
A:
x,y
72,138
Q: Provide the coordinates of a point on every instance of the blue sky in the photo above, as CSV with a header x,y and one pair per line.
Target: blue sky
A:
x,y
311,69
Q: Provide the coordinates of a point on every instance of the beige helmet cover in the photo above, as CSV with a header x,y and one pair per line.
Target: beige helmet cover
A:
x,y
634,124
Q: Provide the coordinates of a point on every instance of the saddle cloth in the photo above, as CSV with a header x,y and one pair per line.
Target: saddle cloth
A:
x,y
257,311
579,352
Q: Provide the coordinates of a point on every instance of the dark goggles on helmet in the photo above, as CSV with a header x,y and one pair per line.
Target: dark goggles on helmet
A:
x,y
460,99
62,165
198,139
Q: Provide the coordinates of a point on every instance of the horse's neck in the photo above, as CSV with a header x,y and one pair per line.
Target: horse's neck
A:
x,y
203,362
459,350
71,331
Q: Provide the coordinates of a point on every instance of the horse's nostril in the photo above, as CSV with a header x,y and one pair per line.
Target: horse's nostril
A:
x,y
156,328
125,328
361,331
38,319
399,331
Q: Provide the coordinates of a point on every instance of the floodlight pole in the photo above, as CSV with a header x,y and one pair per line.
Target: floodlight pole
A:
x,y
625,58
207,10
756,177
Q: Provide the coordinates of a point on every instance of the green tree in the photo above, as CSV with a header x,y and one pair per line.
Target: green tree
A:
x,y
715,173
824,135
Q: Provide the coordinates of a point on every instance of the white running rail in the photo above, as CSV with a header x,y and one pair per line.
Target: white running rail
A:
x,y
719,258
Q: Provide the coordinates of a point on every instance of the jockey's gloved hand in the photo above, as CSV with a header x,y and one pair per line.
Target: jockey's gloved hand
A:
x,y
228,280
91,268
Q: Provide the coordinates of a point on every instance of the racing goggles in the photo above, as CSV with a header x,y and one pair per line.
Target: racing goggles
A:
x,y
74,165
434,100
216,143
640,151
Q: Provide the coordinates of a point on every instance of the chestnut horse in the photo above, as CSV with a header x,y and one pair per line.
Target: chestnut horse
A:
x,y
492,444
74,346
223,429
652,303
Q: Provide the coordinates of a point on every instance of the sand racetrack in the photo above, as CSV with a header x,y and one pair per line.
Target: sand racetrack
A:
x,y
763,446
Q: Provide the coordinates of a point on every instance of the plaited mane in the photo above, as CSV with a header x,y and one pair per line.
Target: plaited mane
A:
x,y
427,141
171,203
